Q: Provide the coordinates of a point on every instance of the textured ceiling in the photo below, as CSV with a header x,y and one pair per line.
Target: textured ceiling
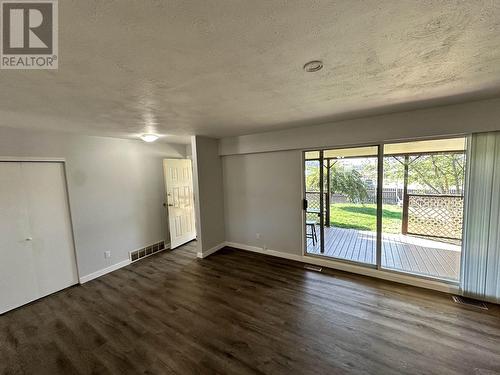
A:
x,y
222,68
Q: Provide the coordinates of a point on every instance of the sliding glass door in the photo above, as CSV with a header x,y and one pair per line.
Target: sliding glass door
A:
x,y
397,207
423,207
341,203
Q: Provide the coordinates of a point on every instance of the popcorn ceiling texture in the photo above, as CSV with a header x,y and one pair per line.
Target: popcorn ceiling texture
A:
x,y
225,68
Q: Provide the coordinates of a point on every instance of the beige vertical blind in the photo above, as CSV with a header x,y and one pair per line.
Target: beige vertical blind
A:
x,y
481,258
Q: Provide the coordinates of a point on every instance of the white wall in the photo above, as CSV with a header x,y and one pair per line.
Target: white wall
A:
x,y
116,190
262,190
209,197
189,151
262,194
448,120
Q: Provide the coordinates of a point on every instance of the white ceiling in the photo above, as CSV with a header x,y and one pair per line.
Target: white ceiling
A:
x,y
222,68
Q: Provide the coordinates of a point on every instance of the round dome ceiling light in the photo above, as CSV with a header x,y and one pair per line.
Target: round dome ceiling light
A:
x,y
313,66
149,137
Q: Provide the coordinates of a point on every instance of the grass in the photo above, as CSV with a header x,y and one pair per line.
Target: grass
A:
x,y
364,217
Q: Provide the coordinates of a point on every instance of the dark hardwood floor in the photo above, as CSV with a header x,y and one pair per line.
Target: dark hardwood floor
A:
x,y
241,313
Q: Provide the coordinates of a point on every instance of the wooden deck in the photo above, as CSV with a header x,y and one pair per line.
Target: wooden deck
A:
x,y
399,252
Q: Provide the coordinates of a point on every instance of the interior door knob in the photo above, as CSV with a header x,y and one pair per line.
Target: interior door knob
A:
x,y
29,238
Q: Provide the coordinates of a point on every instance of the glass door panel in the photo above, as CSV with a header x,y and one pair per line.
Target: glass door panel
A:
x,y
348,204
423,207
312,202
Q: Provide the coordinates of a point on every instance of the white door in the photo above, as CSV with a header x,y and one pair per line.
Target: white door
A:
x,y
180,202
52,239
36,243
17,264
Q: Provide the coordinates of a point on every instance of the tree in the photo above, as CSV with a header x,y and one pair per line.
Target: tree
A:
x,y
439,173
348,182
312,176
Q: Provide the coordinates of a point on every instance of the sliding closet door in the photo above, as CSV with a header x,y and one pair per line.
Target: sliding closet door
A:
x,y
52,242
36,244
17,271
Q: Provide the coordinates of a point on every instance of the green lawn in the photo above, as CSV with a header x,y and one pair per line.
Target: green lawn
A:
x,y
364,217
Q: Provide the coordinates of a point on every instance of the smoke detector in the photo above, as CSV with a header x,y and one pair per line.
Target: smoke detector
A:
x,y
313,66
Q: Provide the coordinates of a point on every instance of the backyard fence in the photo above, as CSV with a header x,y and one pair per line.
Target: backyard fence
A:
x,y
389,195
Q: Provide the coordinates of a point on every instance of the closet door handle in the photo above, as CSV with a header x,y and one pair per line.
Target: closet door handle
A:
x,y
29,239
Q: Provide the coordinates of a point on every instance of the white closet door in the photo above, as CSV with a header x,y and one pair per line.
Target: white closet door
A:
x,y
36,243
17,267
50,224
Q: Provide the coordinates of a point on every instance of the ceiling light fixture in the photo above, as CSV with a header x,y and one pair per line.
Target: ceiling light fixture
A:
x,y
313,66
149,137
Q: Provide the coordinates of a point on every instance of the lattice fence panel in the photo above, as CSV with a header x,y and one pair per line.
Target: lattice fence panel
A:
x,y
435,216
312,198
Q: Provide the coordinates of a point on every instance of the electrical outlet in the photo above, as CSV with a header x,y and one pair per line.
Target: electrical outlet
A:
x,y
257,235
107,254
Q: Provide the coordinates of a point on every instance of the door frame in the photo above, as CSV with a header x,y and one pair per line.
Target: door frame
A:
x,y
62,161
378,267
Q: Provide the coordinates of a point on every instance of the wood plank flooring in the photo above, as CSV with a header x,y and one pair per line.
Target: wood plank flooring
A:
x,y
399,252
237,312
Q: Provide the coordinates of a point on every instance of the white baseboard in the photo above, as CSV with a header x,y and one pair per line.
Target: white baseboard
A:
x,y
380,274
114,267
104,271
352,268
260,250
214,249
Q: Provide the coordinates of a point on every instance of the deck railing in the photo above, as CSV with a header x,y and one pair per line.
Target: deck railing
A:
x,y
425,215
313,204
437,216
